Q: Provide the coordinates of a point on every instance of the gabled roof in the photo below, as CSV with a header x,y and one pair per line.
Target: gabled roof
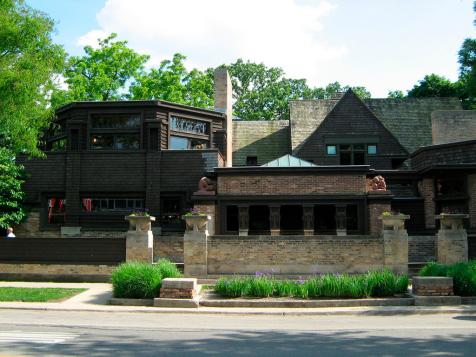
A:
x,y
288,161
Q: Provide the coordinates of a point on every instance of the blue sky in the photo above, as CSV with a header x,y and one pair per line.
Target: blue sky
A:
x,y
381,44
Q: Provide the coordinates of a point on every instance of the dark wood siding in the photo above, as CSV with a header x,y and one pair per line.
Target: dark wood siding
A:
x,y
416,209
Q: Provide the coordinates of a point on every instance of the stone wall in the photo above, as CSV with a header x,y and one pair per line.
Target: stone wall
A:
x,y
169,247
449,126
267,140
293,254
291,184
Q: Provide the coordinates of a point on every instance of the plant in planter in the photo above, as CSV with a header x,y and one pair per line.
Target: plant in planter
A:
x,y
196,221
393,221
140,221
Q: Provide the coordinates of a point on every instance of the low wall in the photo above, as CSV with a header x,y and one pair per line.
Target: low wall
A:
x,y
421,249
56,272
294,254
169,247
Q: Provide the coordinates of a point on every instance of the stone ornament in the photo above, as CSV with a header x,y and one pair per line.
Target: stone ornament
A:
x,y
206,186
140,223
378,184
452,221
196,223
394,222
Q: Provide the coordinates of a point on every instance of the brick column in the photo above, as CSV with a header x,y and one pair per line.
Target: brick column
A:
x,y
472,200
275,220
243,219
378,202
395,243
427,191
452,239
308,219
195,246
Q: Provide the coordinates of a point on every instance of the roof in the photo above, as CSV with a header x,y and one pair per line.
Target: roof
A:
x,y
288,161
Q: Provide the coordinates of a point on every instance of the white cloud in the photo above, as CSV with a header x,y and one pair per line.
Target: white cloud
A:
x,y
282,33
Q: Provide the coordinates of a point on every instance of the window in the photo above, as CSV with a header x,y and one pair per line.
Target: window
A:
x,y
232,220
252,161
352,154
111,204
56,210
188,126
183,143
115,132
171,208
331,150
372,149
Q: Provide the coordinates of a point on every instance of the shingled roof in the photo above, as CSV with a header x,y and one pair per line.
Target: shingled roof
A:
x,y
409,119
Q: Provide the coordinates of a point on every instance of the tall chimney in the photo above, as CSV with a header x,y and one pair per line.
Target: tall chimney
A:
x,y
223,103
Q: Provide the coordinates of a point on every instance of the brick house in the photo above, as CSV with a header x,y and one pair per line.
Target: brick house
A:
x,y
310,175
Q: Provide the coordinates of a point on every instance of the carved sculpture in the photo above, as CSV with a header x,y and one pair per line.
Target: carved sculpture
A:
x,y
378,184
206,185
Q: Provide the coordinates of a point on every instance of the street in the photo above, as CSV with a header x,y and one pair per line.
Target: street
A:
x,y
61,333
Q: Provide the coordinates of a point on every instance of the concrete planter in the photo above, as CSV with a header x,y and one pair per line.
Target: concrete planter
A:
x,y
140,223
394,222
196,223
450,221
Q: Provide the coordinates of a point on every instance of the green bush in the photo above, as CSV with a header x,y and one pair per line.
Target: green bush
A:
x,y
168,269
136,281
463,274
375,284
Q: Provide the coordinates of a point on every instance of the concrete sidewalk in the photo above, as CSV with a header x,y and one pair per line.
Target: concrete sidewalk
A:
x,y
96,297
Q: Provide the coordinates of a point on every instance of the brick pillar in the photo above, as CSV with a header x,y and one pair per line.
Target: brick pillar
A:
x,y
275,220
139,239
472,200
308,219
223,103
452,239
427,191
378,202
341,220
395,243
243,219
195,246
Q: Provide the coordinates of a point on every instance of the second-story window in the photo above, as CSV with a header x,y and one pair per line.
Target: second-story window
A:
x,y
115,131
188,134
352,154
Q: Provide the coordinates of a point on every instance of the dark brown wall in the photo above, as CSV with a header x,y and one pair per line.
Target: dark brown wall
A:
x,y
350,118
457,153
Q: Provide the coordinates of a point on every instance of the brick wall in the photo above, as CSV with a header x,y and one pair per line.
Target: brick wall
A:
x,y
427,191
293,254
375,211
291,184
421,249
169,247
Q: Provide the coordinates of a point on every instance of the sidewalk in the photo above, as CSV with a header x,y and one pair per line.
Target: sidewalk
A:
x,y
97,296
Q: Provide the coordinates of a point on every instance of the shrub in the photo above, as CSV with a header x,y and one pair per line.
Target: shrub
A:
x,y
168,269
463,274
381,283
136,281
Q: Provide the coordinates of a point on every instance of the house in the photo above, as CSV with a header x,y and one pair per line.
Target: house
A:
x,y
311,175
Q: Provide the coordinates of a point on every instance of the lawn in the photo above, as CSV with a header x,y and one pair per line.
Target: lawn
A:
x,y
37,294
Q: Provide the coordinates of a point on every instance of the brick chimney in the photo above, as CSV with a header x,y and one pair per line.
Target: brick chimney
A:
x,y
223,103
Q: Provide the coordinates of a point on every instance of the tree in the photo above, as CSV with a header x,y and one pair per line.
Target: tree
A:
x,y
173,82
467,61
396,94
102,73
434,85
11,194
29,61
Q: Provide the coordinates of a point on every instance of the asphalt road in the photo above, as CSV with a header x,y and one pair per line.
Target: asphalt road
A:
x,y
50,333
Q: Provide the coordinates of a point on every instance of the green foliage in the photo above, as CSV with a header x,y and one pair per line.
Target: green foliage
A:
x,y
463,274
433,85
11,194
168,269
102,73
396,94
373,284
136,281
173,82
29,62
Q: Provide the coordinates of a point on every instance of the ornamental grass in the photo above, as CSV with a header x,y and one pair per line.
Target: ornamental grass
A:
x,y
381,283
463,274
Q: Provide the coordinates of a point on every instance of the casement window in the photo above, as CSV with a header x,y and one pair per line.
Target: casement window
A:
x,y
56,210
352,154
252,161
115,131
111,204
188,134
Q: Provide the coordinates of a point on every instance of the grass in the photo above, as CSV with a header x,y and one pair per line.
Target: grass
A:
x,y
463,274
373,284
37,294
141,280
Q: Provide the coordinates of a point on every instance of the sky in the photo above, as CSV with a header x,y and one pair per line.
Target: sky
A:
x,y
380,44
